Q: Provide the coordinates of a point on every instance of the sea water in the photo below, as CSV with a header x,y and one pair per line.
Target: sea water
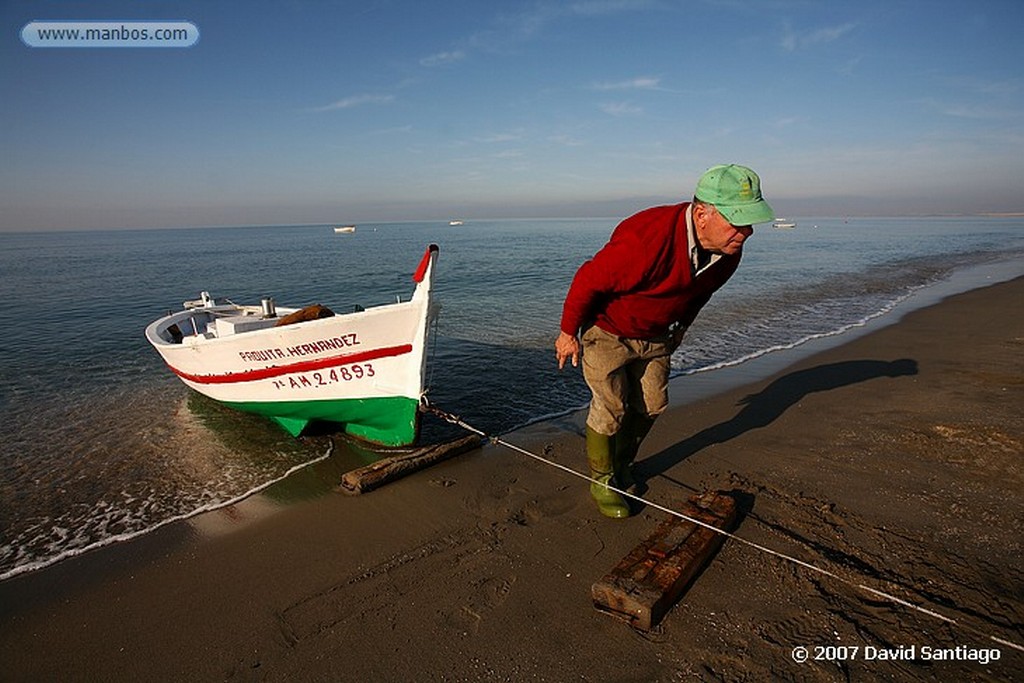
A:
x,y
100,442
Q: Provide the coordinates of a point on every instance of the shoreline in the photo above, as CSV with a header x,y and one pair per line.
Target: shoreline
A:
x,y
702,383
893,455
687,386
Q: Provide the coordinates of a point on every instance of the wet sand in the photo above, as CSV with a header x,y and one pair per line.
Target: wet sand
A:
x,y
893,460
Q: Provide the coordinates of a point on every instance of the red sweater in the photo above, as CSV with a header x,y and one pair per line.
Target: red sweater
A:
x,y
642,281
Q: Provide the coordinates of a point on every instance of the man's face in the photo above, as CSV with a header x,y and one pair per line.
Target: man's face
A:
x,y
716,234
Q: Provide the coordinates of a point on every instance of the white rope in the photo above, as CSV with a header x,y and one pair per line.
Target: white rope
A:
x,y
757,546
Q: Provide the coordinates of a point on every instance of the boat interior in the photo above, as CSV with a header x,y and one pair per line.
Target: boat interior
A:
x,y
213,323
205,319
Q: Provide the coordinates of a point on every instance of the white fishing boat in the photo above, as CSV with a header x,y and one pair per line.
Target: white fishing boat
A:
x,y
455,222
345,228
782,223
363,369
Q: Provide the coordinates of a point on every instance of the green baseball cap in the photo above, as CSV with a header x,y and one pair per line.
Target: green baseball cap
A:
x,y
736,192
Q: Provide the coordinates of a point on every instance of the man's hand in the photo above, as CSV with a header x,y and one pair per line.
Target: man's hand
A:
x,y
677,335
567,346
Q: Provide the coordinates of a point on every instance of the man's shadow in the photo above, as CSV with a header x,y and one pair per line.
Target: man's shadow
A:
x,y
762,408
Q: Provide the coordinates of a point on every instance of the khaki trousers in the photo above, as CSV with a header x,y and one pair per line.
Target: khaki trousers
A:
x,y
624,375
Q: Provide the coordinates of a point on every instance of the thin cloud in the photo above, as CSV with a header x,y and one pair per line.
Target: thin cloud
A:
x,y
976,110
786,121
513,29
565,140
497,138
984,86
356,101
848,68
443,58
589,8
791,40
640,83
393,130
621,109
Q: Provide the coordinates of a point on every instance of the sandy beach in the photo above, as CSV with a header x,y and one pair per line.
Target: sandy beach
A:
x,y
893,461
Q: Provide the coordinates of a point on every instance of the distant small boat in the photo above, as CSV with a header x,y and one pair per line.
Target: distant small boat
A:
x,y
345,228
455,222
362,369
783,223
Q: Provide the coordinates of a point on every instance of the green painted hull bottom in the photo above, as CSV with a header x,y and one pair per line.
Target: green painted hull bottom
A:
x,y
392,421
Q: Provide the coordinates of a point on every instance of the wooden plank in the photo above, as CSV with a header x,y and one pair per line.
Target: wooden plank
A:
x,y
652,577
395,467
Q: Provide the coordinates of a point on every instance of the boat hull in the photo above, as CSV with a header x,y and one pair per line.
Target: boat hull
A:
x,y
363,370
388,421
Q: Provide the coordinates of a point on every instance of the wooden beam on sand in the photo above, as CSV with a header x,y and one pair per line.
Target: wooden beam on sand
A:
x,y
645,585
395,467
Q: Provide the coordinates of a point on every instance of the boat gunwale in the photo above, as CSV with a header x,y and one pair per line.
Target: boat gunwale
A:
x,y
154,329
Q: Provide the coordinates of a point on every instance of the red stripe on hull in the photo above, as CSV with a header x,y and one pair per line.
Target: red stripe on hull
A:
x,y
301,366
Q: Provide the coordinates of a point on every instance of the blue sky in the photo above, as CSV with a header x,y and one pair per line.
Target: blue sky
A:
x,y
301,111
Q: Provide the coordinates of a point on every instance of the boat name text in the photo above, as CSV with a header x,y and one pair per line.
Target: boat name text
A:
x,y
309,349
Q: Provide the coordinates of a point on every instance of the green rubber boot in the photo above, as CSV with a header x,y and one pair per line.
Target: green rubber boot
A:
x,y
600,450
627,444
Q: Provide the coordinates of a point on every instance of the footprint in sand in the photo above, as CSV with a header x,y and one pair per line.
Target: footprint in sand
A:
x,y
484,598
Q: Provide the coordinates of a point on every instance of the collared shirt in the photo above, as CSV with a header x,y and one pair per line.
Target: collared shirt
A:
x,y
699,265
